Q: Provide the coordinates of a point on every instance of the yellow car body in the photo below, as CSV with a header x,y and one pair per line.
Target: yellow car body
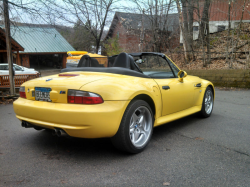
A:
x,y
117,92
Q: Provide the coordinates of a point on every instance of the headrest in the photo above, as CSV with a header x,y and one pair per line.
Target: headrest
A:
x,y
122,60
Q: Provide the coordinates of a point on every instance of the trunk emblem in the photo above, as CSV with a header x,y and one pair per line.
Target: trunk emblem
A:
x,y
62,92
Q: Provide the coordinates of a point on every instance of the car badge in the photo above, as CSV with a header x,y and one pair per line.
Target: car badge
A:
x,y
28,90
48,80
62,92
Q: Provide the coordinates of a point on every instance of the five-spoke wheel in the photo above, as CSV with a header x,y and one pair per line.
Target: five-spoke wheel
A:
x,y
140,126
208,102
136,128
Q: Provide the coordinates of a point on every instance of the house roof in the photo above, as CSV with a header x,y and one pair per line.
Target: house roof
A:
x,y
37,39
134,21
14,44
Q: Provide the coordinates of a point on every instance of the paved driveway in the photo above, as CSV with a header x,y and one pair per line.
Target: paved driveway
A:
x,y
188,152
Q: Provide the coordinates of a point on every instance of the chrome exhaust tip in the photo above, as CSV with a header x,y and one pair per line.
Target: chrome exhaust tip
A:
x,y
54,132
26,124
59,132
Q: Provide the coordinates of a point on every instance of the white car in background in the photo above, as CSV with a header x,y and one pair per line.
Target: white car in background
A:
x,y
4,69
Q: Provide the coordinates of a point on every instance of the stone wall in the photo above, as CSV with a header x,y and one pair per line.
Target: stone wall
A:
x,y
224,78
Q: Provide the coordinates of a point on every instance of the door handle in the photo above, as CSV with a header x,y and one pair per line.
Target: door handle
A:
x,y
165,87
197,85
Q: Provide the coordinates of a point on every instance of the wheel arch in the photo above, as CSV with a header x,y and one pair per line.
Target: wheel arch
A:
x,y
147,99
211,86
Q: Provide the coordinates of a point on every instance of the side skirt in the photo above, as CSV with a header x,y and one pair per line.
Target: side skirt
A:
x,y
171,117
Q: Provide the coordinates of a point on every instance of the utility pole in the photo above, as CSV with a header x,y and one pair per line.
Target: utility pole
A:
x,y
8,45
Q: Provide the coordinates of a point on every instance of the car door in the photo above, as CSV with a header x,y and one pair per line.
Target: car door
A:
x,y
176,95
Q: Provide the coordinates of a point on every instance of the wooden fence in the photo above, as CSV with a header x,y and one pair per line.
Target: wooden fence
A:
x,y
19,79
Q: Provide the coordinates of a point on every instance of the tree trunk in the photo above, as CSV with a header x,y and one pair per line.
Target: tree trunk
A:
x,y
205,29
181,29
188,43
208,44
228,33
238,34
190,21
8,45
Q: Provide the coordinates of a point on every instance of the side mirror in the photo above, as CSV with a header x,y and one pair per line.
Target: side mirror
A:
x,y
182,74
139,61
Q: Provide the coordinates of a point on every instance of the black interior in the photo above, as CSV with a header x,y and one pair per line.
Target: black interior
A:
x,y
122,60
121,64
87,61
126,61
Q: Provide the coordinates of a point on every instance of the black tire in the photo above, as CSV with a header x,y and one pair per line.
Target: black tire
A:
x,y
123,138
204,111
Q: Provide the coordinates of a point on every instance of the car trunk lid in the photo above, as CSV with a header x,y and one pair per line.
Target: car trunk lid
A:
x,y
58,85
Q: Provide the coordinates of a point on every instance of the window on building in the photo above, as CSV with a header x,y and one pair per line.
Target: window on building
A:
x,y
195,28
221,28
117,34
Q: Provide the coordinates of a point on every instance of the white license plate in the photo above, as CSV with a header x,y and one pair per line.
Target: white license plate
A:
x,y
42,94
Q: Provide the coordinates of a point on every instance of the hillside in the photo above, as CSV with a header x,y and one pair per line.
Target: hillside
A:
x,y
218,42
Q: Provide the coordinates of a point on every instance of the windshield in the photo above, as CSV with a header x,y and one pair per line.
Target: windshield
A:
x,y
156,66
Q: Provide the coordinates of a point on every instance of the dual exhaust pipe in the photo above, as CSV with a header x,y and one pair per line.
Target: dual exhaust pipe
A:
x,y
55,132
26,125
59,132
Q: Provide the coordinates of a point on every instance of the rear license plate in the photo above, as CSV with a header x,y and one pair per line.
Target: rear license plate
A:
x,y
42,94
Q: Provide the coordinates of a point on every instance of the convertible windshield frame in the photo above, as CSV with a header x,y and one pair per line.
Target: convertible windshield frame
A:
x,y
155,54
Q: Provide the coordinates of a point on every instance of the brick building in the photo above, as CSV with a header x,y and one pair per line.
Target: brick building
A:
x,y
218,15
135,32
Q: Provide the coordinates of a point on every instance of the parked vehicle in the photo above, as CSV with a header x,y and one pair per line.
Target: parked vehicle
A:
x,y
4,69
124,102
74,57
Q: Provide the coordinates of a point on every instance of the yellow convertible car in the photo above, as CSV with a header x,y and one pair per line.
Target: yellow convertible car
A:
x,y
122,101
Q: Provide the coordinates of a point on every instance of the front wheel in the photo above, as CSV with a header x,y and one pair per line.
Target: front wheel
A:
x,y
135,129
208,103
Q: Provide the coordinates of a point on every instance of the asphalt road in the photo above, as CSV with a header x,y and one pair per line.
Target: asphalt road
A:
x,y
188,152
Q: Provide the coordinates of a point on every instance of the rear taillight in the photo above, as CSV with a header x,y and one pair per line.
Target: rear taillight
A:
x,y
81,97
22,92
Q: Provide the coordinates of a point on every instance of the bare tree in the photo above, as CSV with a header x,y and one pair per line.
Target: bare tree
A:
x,y
157,23
92,14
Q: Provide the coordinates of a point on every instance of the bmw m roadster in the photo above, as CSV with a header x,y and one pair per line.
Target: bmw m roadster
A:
x,y
122,100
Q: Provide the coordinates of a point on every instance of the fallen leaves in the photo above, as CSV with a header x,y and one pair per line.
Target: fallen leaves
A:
x,y
199,138
166,183
218,49
5,98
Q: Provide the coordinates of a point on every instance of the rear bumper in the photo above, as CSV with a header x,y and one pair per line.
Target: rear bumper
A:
x,y
84,121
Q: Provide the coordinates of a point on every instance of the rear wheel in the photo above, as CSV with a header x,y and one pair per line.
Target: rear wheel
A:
x,y
135,129
208,103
